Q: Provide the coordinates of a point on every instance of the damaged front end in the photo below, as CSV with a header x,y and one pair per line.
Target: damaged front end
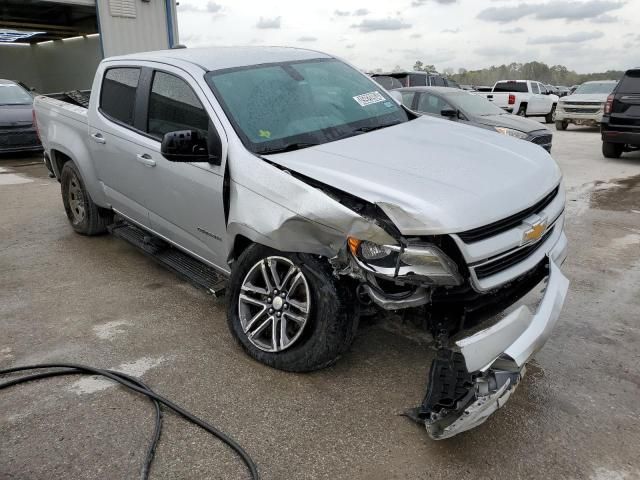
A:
x,y
473,376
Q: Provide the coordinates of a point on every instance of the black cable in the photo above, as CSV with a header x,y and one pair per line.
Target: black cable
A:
x,y
137,386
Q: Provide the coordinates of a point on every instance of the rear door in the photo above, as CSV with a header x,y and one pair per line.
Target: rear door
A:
x,y
114,143
626,101
185,200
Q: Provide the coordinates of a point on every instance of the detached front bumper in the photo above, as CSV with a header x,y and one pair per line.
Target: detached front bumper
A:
x,y
494,361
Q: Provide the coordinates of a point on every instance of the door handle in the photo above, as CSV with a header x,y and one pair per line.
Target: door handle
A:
x,y
98,138
146,160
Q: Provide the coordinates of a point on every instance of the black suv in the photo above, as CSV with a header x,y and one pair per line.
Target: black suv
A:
x,y
621,120
394,80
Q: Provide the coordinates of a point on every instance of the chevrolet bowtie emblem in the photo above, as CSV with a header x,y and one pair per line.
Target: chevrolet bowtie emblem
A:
x,y
535,232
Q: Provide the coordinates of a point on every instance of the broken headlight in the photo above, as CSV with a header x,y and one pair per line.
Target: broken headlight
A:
x,y
425,263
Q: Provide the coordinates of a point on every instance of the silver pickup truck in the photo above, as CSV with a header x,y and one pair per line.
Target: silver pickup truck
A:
x,y
296,182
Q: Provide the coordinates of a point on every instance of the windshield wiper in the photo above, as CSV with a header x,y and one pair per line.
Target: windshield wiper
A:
x,y
290,147
377,127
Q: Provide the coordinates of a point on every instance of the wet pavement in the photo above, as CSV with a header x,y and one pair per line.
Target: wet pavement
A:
x,y
98,301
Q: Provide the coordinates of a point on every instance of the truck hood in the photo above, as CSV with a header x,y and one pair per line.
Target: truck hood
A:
x,y
431,176
16,115
586,97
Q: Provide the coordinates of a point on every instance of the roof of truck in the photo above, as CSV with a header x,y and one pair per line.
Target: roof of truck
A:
x,y
219,58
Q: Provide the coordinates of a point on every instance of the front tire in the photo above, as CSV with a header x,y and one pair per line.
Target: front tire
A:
x,y
86,217
288,311
612,150
550,117
562,125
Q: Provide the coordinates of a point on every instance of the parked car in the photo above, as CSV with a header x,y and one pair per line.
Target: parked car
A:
x,y
585,106
301,182
17,132
573,89
526,98
414,79
471,109
621,120
563,91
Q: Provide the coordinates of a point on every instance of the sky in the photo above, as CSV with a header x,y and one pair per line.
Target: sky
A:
x,y
584,35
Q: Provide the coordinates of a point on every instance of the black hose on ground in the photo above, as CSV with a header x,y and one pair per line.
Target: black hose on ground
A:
x,y
137,386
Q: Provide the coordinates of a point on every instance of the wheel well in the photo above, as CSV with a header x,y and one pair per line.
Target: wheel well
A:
x,y
59,159
240,244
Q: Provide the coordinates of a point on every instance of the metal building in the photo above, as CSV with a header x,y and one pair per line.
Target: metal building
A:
x,y
55,45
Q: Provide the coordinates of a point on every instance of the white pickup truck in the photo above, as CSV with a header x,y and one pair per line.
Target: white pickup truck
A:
x,y
296,182
523,97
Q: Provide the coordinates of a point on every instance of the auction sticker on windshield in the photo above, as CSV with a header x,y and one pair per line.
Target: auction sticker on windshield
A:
x,y
369,98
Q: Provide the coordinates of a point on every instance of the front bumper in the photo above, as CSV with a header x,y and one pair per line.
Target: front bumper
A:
x,y
496,357
19,140
592,115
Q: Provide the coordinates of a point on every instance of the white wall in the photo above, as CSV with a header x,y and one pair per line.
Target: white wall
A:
x,y
52,66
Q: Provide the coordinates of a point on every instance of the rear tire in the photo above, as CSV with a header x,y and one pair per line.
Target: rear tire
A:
x,y
522,111
562,125
550,117
330,317
86,217
612,150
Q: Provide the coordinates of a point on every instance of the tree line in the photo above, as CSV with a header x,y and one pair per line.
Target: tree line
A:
x,y
554,75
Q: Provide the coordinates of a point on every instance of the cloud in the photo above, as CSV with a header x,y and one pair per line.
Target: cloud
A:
x,y
342,13
213,7
351,45
371,25
513,30
451,30
559,9
269,22
210,7
415,35
500,51
361,12
306,38
577,37
604,19
419,3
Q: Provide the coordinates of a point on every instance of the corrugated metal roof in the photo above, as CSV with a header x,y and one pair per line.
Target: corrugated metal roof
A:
x,y
218,58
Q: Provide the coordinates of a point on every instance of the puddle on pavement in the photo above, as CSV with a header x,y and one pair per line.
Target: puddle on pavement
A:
x,y
618,195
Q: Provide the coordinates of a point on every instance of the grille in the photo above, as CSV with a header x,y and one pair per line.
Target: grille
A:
x,y
582,110
507,261
586,104
18,139
542,139
508,223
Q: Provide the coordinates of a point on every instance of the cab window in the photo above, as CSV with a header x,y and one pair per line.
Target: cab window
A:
x,y
173,106
118,94
431,104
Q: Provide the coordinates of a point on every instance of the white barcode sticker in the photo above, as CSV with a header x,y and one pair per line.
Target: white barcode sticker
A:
x,y
369,98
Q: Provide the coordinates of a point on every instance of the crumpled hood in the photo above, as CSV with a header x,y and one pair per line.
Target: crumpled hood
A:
x,y
585,97
432,176
16,115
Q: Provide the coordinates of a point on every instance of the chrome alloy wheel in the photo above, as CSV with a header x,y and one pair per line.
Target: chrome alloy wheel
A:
x,y
76,200
274,304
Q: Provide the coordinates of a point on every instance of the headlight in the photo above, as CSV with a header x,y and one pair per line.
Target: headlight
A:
x,y
511,132
424,263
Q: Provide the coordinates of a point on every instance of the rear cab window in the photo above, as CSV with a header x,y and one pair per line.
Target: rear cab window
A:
x,y
118,94
511,86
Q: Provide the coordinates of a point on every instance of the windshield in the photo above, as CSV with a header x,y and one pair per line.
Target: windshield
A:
x,y
596,87
473,104
296,104
11,94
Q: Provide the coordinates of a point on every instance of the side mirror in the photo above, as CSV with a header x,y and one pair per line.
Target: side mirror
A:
x,y
190,146
449,113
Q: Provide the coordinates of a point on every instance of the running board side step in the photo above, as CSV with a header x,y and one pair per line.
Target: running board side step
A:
x,y
187,267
